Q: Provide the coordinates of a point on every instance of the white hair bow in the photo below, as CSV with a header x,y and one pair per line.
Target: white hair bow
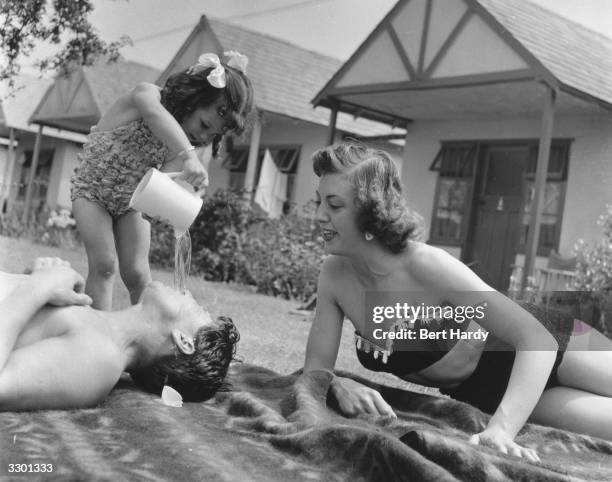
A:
x,y
237,60
216,76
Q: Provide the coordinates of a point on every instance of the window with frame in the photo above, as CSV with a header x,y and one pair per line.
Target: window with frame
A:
x,y
40,183
285,158
455,164
554,196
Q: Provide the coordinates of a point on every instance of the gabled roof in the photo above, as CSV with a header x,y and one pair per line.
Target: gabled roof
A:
x,y
108,81
285,77
78,101
454,58
579,58
17,106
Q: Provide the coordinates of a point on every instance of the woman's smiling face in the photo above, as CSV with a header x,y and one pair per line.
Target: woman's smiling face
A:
x,y
337,214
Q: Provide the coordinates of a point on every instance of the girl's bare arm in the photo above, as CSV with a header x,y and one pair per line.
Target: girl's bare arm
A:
x,y
144,102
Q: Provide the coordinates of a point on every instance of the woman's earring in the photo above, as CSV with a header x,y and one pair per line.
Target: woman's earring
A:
x,y
368,236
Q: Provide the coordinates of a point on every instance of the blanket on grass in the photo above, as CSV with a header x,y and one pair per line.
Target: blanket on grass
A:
x,y
272,427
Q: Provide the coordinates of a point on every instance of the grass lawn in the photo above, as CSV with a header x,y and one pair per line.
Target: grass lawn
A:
x,y
269,335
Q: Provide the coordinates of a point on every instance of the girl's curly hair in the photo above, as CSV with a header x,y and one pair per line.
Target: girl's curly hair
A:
x,y
381,207
199,376
184,92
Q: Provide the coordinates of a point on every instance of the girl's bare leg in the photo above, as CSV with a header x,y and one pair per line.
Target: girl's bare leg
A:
x,y
133,235
96,229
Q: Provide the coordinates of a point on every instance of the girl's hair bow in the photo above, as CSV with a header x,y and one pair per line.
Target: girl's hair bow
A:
x,y
237,60
216,78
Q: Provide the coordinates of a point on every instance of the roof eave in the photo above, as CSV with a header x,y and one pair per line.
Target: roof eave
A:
x,y
585,96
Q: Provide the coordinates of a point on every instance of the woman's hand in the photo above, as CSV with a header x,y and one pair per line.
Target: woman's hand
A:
x,y
499,439
58,283
194,172
356,399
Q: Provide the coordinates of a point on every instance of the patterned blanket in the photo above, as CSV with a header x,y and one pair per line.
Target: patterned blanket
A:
x,y
272,427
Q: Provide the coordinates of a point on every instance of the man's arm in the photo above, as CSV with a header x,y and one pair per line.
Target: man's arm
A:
x,y
52,281
17,310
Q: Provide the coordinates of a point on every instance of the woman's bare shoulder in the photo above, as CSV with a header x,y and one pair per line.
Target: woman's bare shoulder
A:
x,y
428,263
433,266
422,257
335,268
334,276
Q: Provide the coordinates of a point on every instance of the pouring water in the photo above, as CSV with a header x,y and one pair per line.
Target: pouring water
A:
x,y
182,259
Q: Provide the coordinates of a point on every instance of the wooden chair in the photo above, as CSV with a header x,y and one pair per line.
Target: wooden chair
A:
x,y
557,276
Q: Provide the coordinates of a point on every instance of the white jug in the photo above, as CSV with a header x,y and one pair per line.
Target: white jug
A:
x,y
160,196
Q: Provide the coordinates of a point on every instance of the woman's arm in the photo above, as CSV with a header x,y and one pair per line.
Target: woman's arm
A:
x,y
535,347
323,344
326,330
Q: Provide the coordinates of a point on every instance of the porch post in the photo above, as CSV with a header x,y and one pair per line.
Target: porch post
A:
x,y
33,167
5,189
533,234
332,124
249,177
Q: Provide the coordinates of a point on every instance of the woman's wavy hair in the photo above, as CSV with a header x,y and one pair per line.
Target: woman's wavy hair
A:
x,y
184,92
381,207
197,377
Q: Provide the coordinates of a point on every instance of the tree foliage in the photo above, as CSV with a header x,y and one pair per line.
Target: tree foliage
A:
x,y
25,23
594,272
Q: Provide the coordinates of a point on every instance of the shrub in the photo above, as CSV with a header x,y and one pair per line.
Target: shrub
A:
x,y
283,256
11,225
161,253
52,228
61,230
218,234
594,271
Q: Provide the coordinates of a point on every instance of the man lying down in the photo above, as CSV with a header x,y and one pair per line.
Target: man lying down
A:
x,y
58,352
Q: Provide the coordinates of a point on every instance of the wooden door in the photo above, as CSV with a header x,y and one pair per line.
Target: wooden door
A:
x,y
496,226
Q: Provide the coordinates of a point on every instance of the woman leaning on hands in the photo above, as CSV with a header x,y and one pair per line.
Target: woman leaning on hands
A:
x,y
531,366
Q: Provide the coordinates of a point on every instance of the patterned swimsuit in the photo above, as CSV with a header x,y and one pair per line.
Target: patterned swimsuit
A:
x,y
113,163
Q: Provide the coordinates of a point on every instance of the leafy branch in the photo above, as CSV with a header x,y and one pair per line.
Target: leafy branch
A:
x,y
60,22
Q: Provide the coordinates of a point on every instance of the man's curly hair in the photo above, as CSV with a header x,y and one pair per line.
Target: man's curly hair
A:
x,y
184,92
381,207
199,376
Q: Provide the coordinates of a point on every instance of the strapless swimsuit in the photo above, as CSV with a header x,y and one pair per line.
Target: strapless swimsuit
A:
x,y
487,384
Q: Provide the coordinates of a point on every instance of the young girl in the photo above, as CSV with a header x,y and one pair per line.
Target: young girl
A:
x,y
150,127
